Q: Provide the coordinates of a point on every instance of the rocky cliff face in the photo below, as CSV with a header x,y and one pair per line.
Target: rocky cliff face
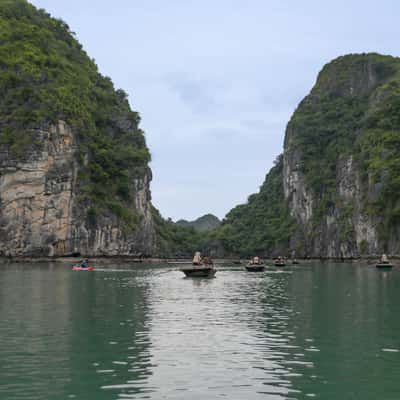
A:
x,y
74,175
329,192
345,230
40,211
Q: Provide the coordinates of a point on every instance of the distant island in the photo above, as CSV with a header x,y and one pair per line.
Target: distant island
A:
x,y
205,223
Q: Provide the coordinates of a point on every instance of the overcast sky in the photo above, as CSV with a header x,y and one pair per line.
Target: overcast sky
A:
x,y
216,81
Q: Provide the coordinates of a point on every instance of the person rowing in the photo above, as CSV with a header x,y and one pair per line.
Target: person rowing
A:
x,y
255,260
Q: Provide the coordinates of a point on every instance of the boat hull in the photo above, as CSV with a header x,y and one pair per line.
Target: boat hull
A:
x,y
280,264
255,268
77,268
384,266
198,272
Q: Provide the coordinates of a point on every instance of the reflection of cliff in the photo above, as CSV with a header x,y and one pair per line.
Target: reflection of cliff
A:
x,y
109,345
34,321
270,314
343,318
217,337
321,330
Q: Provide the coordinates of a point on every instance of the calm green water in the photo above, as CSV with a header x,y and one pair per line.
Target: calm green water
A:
x,y
311,331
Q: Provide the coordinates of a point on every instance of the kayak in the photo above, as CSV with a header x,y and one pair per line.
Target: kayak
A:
x,y
79,268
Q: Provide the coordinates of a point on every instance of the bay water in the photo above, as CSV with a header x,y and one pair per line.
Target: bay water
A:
x,y
317,330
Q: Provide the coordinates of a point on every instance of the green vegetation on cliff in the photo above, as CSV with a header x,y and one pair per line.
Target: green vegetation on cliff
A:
x,y
379,153
262,225
353,110
330,119
45,76
174,240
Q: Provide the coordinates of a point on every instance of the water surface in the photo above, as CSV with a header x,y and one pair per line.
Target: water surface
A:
x,y
325,331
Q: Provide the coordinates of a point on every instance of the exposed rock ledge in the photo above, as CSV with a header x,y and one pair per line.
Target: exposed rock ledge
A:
x,y
40,215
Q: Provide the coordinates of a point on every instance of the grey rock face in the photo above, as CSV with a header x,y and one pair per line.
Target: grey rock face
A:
x,y
40,214
344,229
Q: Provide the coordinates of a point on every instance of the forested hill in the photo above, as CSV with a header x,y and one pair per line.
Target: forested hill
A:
x,y
335,192
262,225
205,223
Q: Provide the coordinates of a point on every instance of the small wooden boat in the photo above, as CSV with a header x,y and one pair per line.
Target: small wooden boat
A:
x,y
255,267
199,271
295,262
279,263
384,265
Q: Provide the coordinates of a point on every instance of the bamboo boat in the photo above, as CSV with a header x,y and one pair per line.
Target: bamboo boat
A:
x,y
384,265
279,263
199,271
200,268
255,267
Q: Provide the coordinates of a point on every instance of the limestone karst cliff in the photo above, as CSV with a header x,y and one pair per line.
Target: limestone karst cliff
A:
x,y
336,190
74,175
41,212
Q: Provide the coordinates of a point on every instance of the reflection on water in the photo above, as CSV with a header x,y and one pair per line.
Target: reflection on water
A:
x,y
220,337
312,331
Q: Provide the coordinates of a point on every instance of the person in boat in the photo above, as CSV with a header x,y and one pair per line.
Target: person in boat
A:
x,y
208,262
84,263
279,261
197,258
384,259
255,260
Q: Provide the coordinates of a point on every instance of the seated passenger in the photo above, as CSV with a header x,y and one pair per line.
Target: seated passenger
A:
x,y
207,261
197,258
384,259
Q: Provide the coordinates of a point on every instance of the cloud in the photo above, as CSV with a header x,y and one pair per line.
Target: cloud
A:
x,y
196,94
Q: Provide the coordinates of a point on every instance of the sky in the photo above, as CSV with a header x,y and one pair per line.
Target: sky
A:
x,y
216,81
